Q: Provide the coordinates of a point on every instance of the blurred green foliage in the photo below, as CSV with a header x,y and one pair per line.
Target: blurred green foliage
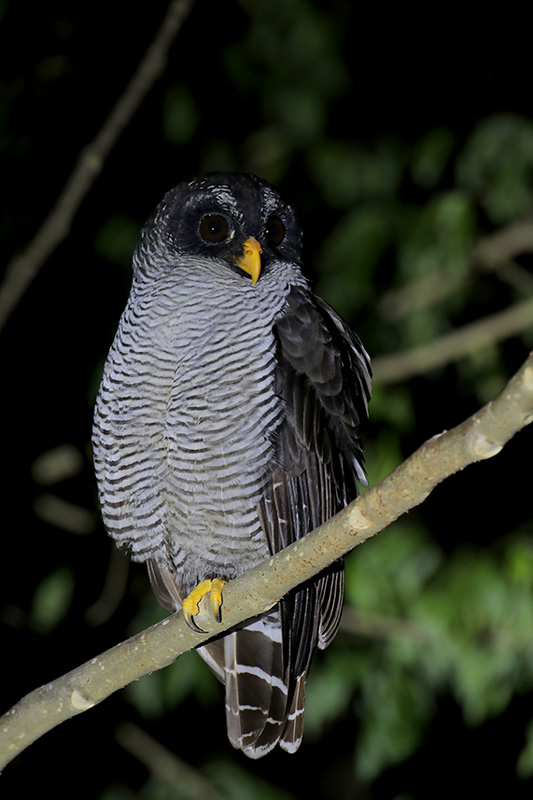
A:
x,y
497,167
394,198
51,600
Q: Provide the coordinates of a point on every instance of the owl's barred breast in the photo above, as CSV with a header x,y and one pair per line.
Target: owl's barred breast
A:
x,y
185,423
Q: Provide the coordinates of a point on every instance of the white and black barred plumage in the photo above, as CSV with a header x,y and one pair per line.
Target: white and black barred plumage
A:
x,y
227,426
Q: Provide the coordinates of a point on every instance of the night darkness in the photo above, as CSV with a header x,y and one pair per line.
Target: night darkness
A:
x,y
60,77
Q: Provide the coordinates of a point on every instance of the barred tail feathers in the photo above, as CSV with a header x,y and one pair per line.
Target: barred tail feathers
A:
x,y
258,693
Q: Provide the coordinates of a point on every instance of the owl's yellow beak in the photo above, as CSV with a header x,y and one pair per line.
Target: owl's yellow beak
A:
x,y
250,261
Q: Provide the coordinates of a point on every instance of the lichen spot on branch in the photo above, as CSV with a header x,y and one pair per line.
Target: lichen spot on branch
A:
x,y
483,447
79,701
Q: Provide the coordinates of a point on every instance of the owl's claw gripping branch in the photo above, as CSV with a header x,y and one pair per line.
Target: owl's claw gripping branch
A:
x,y
194,609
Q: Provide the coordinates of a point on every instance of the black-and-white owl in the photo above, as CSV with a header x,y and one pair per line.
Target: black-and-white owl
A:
x,y
227,426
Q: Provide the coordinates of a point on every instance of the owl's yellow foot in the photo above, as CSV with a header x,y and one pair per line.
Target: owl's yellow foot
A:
x,y
194,610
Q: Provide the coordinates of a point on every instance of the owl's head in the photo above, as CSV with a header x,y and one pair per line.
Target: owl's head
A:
x,y
235,218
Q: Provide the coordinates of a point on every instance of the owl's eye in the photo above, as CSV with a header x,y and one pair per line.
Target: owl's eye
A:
x,y
214,228
275,231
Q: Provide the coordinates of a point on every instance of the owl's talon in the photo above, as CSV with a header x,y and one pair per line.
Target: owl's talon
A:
x,y
196,605
189,619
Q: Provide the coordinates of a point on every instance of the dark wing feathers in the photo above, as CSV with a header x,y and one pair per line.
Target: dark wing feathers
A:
x,y
324,380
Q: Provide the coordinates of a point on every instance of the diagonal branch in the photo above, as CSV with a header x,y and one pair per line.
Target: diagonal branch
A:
x,y
495,252
454,345
481,436
24,267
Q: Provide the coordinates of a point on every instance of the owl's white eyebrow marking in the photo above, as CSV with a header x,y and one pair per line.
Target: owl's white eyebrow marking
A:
x,y
271,203
223,194
218,194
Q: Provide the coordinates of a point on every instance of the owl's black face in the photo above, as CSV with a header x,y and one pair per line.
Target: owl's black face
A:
x,y
234,217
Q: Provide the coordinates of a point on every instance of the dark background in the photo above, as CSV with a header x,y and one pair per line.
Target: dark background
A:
x,y
300,93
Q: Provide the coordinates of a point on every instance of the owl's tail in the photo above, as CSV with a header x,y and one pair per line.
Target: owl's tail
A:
x,y
263,707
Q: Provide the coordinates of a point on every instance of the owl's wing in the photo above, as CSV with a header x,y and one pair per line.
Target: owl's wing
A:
x,y
324,378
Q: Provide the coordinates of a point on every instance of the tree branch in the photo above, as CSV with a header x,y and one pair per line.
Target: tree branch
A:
x,y
493,252
481,436
167,766
417,360
55,228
